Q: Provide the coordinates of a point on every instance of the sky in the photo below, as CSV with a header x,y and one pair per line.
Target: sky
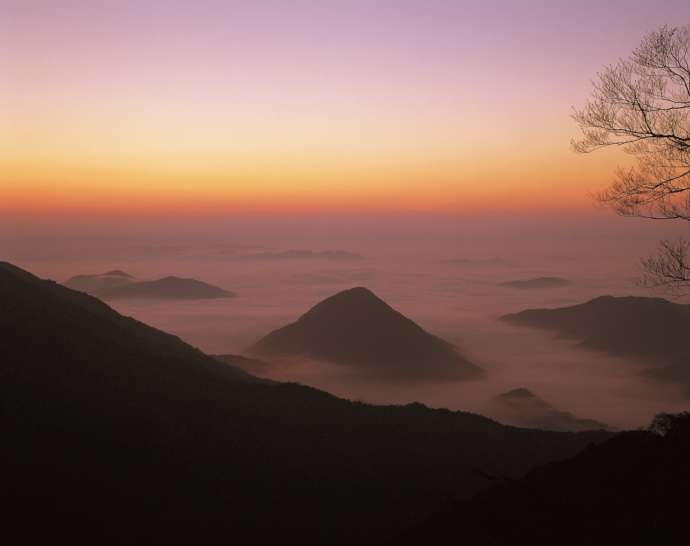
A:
x,y
301,107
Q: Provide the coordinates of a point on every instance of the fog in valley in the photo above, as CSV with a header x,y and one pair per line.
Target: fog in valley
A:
x,y
445,274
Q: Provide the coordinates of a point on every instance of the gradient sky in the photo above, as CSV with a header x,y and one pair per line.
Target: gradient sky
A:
x,y
208,106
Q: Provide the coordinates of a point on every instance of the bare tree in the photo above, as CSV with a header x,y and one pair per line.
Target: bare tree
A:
x,y
643,105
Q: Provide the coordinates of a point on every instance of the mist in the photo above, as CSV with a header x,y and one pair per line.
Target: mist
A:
x,y
445,273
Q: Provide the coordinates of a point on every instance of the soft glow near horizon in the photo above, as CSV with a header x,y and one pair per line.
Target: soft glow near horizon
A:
x,y
302,106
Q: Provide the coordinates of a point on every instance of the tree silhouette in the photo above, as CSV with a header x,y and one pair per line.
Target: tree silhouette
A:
x,y
671,424
642,104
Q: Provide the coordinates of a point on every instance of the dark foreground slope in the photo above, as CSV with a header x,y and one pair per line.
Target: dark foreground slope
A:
x,y
116,433
631,490
356,328
652,329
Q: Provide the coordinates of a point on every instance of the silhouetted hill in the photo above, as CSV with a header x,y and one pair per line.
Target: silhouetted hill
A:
x,y
477,262
538,282
631,489
652,329
119,285
355,328
634,326
116,433
49,321
119,273
167,288
93,284
339,255
524,408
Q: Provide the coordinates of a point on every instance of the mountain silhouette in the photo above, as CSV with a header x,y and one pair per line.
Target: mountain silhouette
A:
x,y
356,328
538,282
116,433
524,408
477,262
93,284
119,285
167,288
652,329
118,273
295,254
628,490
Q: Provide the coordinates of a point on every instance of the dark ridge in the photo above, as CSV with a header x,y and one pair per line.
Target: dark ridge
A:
x,y
524,408
120,285
628,490
652,329
174,288
518,393
356,328
538,282
116,433
306,255
94,284
118,273
78,326
477,262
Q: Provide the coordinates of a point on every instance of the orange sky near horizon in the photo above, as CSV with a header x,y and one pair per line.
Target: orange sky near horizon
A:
x,y
351,108
444,184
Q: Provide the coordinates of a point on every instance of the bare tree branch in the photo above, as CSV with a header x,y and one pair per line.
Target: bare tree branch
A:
x,y
642,105
669,268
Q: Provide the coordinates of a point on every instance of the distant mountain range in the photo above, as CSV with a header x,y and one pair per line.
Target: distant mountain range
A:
x,y
477,262
628,490
92,284
652,329
355,328
117,433
306,255
538,282
120,285
524,408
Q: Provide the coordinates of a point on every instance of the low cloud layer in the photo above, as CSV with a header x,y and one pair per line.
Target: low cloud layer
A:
x,y
406,265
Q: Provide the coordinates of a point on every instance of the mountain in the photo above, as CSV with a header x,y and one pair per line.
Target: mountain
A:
x,y
477,262
524,408
92,284
120,285
538,282
652,329
116,433
631,489
119,273
167,288
306,255
631,326
357,329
